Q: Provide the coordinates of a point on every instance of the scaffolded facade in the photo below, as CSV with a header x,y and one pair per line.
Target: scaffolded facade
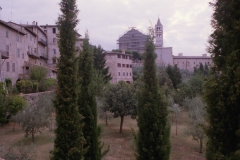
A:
x,y
132,40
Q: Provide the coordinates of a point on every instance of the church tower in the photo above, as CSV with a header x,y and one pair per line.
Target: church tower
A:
x,y
159,34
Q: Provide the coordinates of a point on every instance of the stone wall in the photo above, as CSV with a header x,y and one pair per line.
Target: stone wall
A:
x,y
32,97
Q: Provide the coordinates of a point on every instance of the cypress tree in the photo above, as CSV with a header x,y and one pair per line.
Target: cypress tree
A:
x,y
100,63
69,139
3,118
87,103
222,90
174,74
153,136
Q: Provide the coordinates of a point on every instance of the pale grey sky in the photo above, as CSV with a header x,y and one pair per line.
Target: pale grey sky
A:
x,y
186,23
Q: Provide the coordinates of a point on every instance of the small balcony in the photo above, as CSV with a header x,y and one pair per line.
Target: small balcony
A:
x,y
33,55
44,56
41,41
4,54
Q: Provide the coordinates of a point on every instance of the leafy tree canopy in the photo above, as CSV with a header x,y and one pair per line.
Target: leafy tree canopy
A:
x,y
120,99
174,74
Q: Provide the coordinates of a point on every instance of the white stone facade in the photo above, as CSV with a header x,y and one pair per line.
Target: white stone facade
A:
x,y
12,43
191,62
165,54
23,46
120,66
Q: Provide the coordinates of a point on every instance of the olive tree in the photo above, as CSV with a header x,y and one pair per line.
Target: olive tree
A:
x,y
197,115
36,115
120,100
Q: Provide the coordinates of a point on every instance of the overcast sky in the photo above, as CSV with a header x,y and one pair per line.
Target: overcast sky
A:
x,y
186,23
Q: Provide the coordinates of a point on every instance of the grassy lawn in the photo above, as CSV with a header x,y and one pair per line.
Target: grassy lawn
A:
x,y
121,145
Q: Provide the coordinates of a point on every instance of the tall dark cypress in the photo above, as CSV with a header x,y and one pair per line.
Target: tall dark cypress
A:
x,y
87,102
69,139
222,90
100,63
153,136
2,106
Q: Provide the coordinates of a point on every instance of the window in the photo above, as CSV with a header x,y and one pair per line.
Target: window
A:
x,y
18,38
54,30
7,34
119,55
123,65
127,65
54,51
123,73
130,74
123,56
22,55
8,67
18,53
30,37
7,48
130,66
45,31
54,40
119,73
13,67
127,73
119,64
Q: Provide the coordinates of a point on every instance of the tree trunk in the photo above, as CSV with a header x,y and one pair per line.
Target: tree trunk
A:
x,y
201,141
106,119
176,125
14,124
32,135
121,124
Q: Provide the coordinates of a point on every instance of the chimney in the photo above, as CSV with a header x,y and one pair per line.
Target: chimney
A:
x,y
36,24
180,54
33,22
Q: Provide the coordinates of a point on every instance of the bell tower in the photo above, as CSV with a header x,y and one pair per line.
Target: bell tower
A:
x,y
159,34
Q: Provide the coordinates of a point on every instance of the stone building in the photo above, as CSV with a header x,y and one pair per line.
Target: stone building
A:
x,y
120,66
132,40
191,62
164,54
25,45
53,50
13,50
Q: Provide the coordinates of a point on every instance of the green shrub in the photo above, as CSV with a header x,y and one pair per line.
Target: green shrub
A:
x,y
15,104
35,87
15,90
38,73
24,85
48,83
